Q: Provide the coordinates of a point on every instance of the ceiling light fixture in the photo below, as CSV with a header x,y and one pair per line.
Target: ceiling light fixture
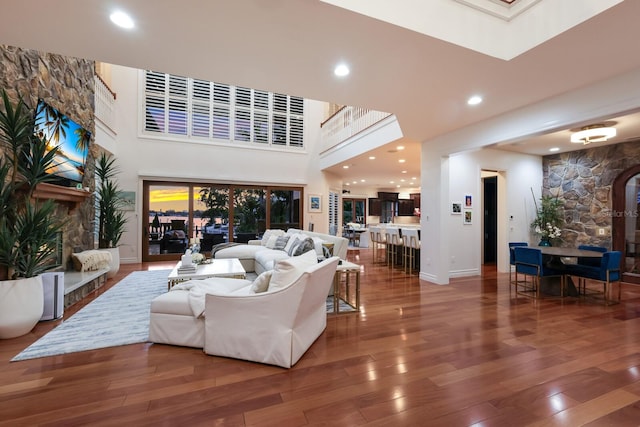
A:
x,y
341,70
474,100
599,132
554,149
372,157
122,20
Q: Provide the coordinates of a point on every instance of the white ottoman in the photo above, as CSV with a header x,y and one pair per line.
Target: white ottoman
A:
x,y
172,321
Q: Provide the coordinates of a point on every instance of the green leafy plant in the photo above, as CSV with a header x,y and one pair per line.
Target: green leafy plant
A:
x,y
112,220
28,227
549,219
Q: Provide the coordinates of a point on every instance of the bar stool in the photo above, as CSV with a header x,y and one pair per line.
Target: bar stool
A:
x,y
377,240
394,242
411,240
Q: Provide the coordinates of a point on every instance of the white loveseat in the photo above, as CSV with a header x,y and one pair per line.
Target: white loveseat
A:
x,y
232,318
260,255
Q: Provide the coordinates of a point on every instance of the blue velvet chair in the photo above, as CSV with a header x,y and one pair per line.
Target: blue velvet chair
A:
x,y
593,262
512,257
607,272
528,262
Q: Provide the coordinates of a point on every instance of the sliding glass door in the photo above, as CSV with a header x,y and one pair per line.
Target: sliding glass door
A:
x,y
175,214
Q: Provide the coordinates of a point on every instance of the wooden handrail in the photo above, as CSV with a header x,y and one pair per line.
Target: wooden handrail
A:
x,y
106,86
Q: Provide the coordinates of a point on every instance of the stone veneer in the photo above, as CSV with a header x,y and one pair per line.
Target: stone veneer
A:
x,y
66,84
583,181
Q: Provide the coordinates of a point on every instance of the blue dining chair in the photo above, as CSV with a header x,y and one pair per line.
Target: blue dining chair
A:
x,y
512,257
528,262
593,262
608,272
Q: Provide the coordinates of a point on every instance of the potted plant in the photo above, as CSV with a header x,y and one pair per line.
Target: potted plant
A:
x,y
548,219
28,227
111,216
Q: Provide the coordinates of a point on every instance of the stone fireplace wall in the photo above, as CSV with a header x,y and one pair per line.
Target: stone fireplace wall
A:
x,y
583,180
66,84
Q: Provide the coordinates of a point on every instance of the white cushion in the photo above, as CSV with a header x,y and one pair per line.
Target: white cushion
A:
x,y
271,243
261,284
267,258
293,240
287,271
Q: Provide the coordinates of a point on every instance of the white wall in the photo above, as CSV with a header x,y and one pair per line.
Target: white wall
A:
x,y
451,248
141,157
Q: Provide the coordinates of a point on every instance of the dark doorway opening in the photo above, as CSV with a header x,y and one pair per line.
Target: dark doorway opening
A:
x,y
490,219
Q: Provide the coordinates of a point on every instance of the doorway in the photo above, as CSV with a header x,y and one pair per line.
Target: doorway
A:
x,y
490,219
626,222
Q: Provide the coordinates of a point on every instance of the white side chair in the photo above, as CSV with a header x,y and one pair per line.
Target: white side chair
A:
x,y
394,244
411,240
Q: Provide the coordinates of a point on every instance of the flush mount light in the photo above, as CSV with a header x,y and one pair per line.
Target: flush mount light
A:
x,y
122,20
474,100
599,132
341,70
554,149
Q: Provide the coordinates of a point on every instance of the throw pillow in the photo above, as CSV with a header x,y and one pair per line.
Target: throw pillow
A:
x,y
261,284
293,240
287,271
304,246
268,234
281,242
271,243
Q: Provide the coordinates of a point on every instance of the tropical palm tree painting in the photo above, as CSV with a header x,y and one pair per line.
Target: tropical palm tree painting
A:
x,y
71,138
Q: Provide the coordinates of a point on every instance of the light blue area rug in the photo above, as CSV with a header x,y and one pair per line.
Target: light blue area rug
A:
x,y
120,316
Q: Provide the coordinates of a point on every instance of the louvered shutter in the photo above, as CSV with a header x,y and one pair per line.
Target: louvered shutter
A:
x,y
221,111
201,110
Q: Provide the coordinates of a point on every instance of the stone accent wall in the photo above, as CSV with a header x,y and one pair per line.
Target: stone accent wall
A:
x,y
583,181
66,84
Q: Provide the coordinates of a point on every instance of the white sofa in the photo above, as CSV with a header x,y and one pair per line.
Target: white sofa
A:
x,y
226,317
259,256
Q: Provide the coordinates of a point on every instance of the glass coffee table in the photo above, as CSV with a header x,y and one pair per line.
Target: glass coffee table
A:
x,y
230,267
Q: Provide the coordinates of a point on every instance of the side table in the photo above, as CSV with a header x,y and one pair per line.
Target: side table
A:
x,y
346,269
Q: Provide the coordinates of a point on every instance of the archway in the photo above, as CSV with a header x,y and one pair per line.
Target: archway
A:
x,y
626,222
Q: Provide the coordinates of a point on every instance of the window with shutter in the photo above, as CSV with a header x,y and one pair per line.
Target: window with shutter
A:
x,y
187,108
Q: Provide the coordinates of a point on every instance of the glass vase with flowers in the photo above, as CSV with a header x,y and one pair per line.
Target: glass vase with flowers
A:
x,y
548,219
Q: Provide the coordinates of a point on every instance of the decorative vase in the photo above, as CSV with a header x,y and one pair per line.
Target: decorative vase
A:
x,y
21,306
115,262
544,242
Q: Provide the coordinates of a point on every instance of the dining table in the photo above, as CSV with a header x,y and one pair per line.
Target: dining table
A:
x,y
553,257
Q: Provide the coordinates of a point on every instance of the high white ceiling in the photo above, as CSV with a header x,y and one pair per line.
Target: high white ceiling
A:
x,y
292,46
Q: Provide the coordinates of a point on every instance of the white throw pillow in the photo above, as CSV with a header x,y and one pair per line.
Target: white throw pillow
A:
x,y
293,241
287,271
261,284
271,243
268,234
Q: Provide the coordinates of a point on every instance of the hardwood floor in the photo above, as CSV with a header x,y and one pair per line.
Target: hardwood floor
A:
x,y
418,354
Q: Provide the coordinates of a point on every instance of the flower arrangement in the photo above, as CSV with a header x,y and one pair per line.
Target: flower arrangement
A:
x,y
548,217
197,258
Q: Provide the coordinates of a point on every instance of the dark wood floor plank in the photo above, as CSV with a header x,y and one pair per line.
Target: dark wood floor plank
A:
x,y
471,352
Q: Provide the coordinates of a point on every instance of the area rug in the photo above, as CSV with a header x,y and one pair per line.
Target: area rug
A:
x,y
120,316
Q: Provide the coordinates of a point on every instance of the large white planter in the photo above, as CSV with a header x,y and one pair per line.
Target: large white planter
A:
x,y
21,306
115,262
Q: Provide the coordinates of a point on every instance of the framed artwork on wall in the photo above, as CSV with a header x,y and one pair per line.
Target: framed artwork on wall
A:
x,y
456,208
468,201
315,203
468,216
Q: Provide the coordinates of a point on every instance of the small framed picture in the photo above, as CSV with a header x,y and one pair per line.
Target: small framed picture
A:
x,y
128,200
468,216
468,201
456,208
315,203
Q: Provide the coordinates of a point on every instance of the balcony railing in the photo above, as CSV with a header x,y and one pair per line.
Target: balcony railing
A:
x,y
105,103
347,122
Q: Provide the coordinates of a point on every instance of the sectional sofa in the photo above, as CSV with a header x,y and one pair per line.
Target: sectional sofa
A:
x,y
260,255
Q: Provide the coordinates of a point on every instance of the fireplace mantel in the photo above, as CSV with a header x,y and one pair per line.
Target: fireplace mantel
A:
x,y
70,195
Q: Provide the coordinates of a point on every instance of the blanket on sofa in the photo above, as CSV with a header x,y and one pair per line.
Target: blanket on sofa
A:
x,y
220,246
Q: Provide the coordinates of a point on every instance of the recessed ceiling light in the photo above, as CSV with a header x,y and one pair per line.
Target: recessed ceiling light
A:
x,y
346,183
345,167
341,70
355,182
474,100
554,149
391,182
402,180
122,20
404,171
401,161
372,157
398,186
400,147
362,180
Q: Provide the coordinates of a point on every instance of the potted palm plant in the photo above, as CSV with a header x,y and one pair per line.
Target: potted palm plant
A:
x,y
28,227
111,216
